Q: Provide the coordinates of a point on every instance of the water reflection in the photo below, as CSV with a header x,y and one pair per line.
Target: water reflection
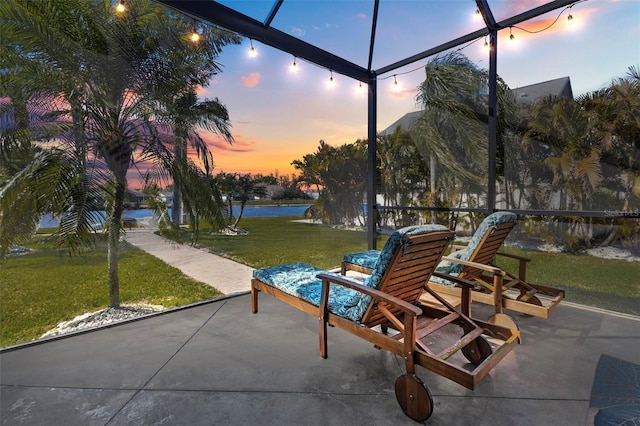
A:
x,y
48,221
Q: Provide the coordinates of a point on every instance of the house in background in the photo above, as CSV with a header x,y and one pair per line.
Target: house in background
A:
x,y
560,87
526,95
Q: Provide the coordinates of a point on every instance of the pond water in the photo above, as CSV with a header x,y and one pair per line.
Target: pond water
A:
x,y
47,221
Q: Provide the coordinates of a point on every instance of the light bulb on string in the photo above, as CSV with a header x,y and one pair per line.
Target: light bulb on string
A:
x,y
121,7
294,66
195,35
486,44
514,42
570,21
477,14
396,86
331,82
252,51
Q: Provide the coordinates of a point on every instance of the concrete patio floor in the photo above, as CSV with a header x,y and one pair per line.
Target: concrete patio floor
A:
x,y
216,363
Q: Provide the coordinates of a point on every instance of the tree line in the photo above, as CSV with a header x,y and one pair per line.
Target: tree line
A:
x,y
90,93
555,154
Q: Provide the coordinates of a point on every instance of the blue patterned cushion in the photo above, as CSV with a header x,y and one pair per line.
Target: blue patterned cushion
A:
x,y
300,280
396,239
367,258
452,268
493,219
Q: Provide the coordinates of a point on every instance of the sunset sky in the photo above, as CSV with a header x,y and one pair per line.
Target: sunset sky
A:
x,y
279,116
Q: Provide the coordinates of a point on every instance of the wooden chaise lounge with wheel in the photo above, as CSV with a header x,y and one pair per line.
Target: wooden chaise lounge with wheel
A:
x,y
475,262
390,298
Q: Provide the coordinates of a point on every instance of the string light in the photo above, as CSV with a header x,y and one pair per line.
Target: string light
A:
x,y
569,19
195,35
121,7
396,86
332,82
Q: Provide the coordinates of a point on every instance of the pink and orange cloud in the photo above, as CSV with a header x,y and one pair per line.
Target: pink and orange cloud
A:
x,y
250,80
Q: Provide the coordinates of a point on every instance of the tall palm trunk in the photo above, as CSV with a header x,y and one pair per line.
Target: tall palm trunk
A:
x,y
180,158
113,243
118,159
432,187
176,206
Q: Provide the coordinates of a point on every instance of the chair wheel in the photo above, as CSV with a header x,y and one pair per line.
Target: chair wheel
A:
x,y
414,397
504,320
532,300
477,351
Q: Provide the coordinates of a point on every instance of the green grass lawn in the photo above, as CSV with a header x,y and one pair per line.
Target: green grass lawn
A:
x,y
276,240
606,283
41,289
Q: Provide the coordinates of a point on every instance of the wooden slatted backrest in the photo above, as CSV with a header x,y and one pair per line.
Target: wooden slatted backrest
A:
x,y
487,248
409,271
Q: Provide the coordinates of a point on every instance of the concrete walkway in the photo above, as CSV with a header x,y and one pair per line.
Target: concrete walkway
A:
x,y
227,276
216,363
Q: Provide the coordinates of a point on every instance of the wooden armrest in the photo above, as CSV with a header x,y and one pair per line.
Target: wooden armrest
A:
x,y
488,268
457,280
456,247
376,294
515,256
522,265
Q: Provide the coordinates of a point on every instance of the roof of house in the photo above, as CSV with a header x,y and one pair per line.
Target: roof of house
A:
x,y
525,94
557,87
405,122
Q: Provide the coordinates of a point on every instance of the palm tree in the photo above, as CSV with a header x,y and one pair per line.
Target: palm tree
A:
x,y
402,173
564,126
617,110
450,128
226,182
312,165
453,132
247,187
108,76
340,175
187,114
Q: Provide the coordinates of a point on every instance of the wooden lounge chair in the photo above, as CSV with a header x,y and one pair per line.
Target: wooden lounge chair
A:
x,y
475,262
389,298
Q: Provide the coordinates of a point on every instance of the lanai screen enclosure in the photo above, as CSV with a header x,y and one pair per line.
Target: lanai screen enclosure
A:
x,y
229,14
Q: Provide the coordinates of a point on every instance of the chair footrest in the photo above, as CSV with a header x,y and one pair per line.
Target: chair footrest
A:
x,y
429,327
464,341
